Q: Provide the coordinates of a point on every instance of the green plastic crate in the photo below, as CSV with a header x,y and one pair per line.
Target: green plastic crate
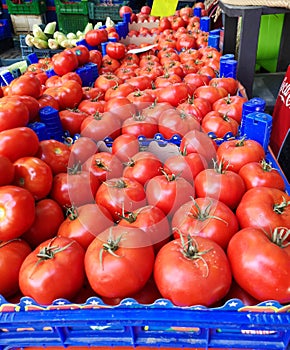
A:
x,y
73,7
68,23
99,12
32,7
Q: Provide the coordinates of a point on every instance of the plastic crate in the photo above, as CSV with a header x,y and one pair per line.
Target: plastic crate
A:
x,y
22,24
79,7
266,326
99,12
32,7
5,29
71,23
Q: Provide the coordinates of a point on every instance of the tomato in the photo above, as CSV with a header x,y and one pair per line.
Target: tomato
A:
x,y
210,93
18,142
103,166
71,120
64,62
48,217
186,165
141,82
125,9
230,84
174,94
100,126
265,208
92,106
116,50
33,107
6,171
231,106
236,153
121,107
54,153
47,100
152,221
106,81
92,93
55,269
142,167
156,109
205,217
236,292
196,79
17,211
109,65
82,53
185,41
69,95
66,187
141,99
33,174
82,149
13,113
168,192
111,258
120,195
220,124
125,147
176,122
85,223
122,90
26,84
261,173
139,124
215,183
192,271
96,57
12,255
260,262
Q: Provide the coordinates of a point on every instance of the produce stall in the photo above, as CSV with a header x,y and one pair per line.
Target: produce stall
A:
x,y
141,205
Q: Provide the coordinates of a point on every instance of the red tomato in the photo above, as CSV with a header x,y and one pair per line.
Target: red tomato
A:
x,y
96,57
116,50
82,149
26,84
54,153
142,167
111,258
197,107
47,100
125,147
48,217
57,267
210,93
215,183
236,153
92,106
168,192
220,124
122,90
33,174
176,122
13,113
85,223
260,263
196,79
6,171
205,217
236,292
12,255
121,107
192,271
152,221
120,195
140,83
106,81
174,94
17,211
125,9
18,142
33,106
261,173
230,106
230,84
82,53
139,124
265,208
64,62
71,120
103,166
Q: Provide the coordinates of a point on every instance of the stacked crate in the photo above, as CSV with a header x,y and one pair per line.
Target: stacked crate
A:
x,y
98,12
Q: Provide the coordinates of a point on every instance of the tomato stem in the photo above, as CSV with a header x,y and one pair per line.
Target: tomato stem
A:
x,y
280,235
110,247
49,251
279,208
203,215
72,213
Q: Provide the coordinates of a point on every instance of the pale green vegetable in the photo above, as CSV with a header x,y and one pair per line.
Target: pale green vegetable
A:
x,y
98,25
38,32
50,29
53,44
39,43
71,36
88,27
109,23
29,40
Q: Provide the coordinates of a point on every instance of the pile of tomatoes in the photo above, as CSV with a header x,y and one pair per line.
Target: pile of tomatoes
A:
x,y
195,223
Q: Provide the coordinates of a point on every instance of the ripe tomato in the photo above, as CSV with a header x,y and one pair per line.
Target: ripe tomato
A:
x,y
48,217
210,93
33,106
65,62
192,271
122,90
111,258
54,153
95,37
6,171
215,183
230,84
205,217
231,106
260,262
220,124
71,120
96,57
125,147
265,208
116,50
168,192
103,166
141,99
82,149
121,107
13,113
47,100
18,142
106,81
139,124
33,174
26,84
12,255
174,94
85,223
17,211
120,195
152,221
261,173
236,153
142,167
55,269
82,53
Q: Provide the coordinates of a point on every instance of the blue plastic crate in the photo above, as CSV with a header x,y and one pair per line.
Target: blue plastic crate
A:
x,y
5,29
